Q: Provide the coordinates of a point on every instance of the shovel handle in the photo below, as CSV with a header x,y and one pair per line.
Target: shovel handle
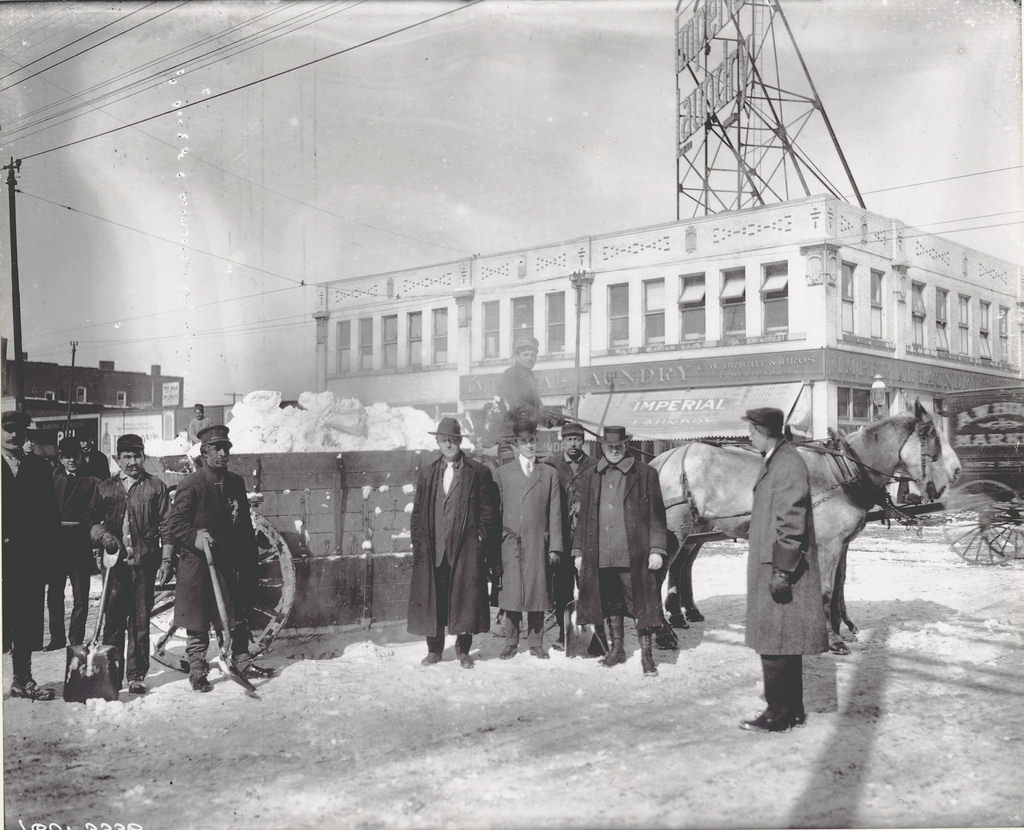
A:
x,y
222,609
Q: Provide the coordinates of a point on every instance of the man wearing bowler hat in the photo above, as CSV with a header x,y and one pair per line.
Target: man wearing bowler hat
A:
x,y
569,464
619,546
454,517
211,509
30,523
785,614
517,386
131,507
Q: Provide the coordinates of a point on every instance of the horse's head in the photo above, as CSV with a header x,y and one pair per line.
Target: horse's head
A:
x,y
926,457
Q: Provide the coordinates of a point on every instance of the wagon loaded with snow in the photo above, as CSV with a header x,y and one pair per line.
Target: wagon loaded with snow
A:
x,y
984,519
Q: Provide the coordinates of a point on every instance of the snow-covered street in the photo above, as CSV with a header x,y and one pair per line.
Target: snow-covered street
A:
x,y
920,726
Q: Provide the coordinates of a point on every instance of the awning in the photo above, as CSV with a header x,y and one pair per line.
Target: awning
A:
x,y
693,292
735,287
678,414
775,282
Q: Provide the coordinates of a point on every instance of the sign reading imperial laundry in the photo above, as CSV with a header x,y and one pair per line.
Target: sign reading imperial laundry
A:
x,y
686,413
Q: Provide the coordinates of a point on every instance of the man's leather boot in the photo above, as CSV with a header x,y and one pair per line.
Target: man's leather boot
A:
x,y
616,653
646,655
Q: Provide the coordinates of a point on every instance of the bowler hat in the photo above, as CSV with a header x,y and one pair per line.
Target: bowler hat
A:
x,y
69,447
572,429
13,416
449,428
129,442
524,341
615,435
216,434
768,417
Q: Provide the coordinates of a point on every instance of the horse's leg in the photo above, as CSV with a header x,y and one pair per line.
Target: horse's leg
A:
x,y
829,555
840,595
670,598
689,554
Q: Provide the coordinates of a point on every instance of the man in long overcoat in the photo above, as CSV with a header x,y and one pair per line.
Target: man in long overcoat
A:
x,y
785,614
131,507
619,546
211,509
569,464
29,522
454,518
531,539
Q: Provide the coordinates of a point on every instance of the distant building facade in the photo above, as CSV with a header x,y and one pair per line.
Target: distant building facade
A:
x,y
682,326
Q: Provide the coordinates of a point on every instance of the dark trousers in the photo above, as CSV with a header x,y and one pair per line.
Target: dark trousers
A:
x,y
76,564
563,578
534,628
442,590
132,589
23,620
197,644
783,683
616,586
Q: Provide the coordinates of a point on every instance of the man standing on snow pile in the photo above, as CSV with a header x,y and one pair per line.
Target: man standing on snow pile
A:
x,y
211,509
131,507
785,616
531,539
454,517
619,546
517,387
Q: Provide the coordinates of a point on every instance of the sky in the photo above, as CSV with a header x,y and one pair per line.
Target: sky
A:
x,y
184,185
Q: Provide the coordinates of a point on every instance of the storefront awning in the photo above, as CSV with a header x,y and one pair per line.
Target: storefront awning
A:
x,y
679,414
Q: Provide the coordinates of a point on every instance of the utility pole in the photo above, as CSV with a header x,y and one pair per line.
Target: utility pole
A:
x,y
19,358
71,386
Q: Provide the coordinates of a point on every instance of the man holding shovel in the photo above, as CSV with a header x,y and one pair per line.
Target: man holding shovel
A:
x,y
211,513
133,504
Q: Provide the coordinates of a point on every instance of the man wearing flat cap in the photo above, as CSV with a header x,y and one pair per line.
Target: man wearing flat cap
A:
x,y
77,500
785,614
517,387
531,540
211,509
454,518
29,523
619,547
569,464
132,506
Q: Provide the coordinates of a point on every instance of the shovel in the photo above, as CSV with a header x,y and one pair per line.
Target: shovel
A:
x,y
581,640
224,659
92,670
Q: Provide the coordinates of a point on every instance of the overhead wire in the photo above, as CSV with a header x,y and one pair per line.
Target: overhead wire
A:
x,y
305,65
72,43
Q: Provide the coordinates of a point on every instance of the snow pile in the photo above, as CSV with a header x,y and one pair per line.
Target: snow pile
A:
x,y
320,423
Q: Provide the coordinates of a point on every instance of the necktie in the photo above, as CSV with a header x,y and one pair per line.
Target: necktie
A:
x,y
449,474
529,467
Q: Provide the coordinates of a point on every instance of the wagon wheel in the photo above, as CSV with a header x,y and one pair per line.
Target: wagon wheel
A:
x,y
995,514
275,591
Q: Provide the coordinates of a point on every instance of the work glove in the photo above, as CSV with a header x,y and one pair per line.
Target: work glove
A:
x,y
780,586
655,561
554,558
109,542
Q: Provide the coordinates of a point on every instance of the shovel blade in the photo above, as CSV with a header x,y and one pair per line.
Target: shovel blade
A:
x,y
91,671
227,665
580,640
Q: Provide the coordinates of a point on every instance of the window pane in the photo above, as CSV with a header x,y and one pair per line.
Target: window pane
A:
x,y
344,347
846,283
877,278
734,318
654,312
983,316
556,322
917,299
439,352
389,341
861,400
692,323
940,304
843,402
618,315
941,337
414,349
776,314
984,346
522,318
366,343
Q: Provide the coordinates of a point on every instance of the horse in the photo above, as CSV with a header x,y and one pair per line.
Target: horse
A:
x,y
710,487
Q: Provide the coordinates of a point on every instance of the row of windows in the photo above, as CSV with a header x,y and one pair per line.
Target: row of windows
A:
x,y
389,341
82,396
968,316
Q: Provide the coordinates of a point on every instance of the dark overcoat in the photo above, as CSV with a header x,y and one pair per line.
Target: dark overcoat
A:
x,y
531,526
151,501
77,501
224,512
782,536
97,465
644,515
569,482
476,520
30,539
517,388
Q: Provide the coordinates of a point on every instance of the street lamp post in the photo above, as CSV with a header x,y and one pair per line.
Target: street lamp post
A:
x,y
877,395
581,282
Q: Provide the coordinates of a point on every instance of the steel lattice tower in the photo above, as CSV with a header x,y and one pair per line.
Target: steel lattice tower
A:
x,y
749,121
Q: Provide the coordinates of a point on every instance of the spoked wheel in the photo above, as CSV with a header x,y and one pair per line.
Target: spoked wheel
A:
x,y
989,528
275,592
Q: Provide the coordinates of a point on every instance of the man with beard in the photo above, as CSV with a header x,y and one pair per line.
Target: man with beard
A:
x,y
570,464
29,522
454,516
211,510
132,506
